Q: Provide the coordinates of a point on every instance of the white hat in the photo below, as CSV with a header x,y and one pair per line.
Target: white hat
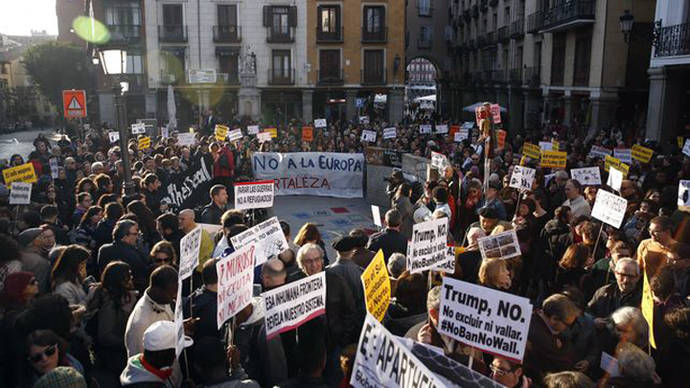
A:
x,y
162,335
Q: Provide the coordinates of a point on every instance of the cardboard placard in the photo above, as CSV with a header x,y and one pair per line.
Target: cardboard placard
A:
x,y
588,176
376,215
113,136
686,147
531,150
610,161
138,128
254,195
439,160
546,146
272,131
461,135
144,143
364,119
307,134
165,132
20,193
320,123
189,252
501,139
684,194
22,173
290,306
54,168
390,133
522,178
368,136
609,208
235,282
235,134
263,137
615,179
495,113
441,128
221,132
643,154
623,154
425,129
428,246
377,287
599,152
500,246
554,159
267,237
253,129
185,139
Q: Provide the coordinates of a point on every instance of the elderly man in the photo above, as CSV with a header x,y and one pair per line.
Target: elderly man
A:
x,y
187,224
577,203
627,291
273,274
37,243
124,248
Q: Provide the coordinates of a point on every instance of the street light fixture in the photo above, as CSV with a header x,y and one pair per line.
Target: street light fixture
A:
x,y
114,63
627,20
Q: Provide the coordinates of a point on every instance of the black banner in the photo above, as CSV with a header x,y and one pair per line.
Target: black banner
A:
x,y
189,189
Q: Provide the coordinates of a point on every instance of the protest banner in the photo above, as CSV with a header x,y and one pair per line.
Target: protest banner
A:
x,y
22,173
364,119
253,129
493,321
588,176
368,136
235,134
610,161
522,178
428,245
531,150
221,132
189,252
113,136
312,173
439,160
684,194
376,215
383,361
254,195
189,188
609,208
546,146
441,128
615,179
263,137
144,143
290,306
267,237
235,282
320,123
307,134
138,128
643,154
495,113
500,246
185,139
623,154
599,152
554,159
54,168
609,364
461,135
425,129
389,133
501,139
272,131
686,147
20,193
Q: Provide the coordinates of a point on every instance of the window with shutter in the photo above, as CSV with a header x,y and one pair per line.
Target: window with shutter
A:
x,y
292,18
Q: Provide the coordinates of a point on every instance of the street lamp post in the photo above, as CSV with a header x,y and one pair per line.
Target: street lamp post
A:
x,y
114,62
626,21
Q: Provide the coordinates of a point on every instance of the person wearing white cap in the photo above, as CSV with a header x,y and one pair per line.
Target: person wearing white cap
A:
x,y
156,364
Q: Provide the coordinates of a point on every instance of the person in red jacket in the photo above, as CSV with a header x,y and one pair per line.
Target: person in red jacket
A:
x,y
223,164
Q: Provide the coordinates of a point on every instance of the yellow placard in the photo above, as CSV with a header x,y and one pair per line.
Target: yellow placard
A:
x,y
221,132
531,150
647,307
681,141
643,154
556,145
144,142
610,161
22,173
554,159
377,287
272,131
624,168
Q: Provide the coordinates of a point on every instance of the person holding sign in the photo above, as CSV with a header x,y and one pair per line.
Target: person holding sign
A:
x,y
575,201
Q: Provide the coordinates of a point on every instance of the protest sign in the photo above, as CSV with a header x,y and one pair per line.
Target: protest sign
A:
x,y
307,134
263,137
686,147
382,361
20,193
376,215
684,193
643,154
189,188
221,132
165,132
272,131
364,119
320,123
490,320
599,152
267,237
610,161
501,139
253,129
144,143
500,246
254,195
211,229
235,282
235,134
556,146
623,154
495,113
546,146
531,150
377,287
189,252
22,173
588,176
179,319
441,128
389,133
609,208
138,128
428,245
461,135
609,364
368,136
113,136
185,139
425,129
554,159
290,306
522,178
680,141
615,179
439,160
312,173
54,168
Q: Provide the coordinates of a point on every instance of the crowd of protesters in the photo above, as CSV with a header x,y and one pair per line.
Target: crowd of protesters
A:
x,y
88,275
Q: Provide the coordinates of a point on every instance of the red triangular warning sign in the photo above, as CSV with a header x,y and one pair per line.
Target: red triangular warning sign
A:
x,y
74,104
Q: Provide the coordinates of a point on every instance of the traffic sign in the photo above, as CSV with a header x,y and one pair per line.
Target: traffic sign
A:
x,y
74,104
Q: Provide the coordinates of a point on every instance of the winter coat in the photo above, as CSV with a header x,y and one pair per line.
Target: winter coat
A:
x,y
130,255
554,239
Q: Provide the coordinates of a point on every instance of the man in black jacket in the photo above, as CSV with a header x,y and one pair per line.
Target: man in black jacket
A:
x,y
214,210
626,292
124,248
204,304
390,240
168,226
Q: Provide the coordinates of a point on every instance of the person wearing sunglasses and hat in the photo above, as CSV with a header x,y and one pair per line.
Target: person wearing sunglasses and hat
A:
x,y
45,352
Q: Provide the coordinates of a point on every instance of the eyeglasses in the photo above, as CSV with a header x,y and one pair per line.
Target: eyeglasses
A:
x,y
311,261
48,352
626,275
498,371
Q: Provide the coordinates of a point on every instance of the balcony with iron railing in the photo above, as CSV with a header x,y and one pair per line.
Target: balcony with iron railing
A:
x,y
424,43
568,15
503,34
329,77
671,40
516,75
124,33
380,36
227,34
330,36
170,33
373,77
281,76
280,36
517,28
228,78
532,76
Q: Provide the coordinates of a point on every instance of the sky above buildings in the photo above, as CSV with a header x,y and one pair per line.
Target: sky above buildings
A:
x,y
20,17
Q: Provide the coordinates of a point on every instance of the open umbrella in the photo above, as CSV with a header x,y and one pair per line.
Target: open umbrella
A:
x,y
172,110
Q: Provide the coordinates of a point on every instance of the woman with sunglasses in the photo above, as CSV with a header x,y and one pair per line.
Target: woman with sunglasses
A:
x,y
45,351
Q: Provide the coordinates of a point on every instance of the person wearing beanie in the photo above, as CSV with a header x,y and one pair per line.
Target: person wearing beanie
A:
x,y
348,269
20,289
37,242
61,377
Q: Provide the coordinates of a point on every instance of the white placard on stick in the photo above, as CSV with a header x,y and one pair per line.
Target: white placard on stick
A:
x,y
113,136
588,176
263,137
441,128
291,305
189,252
165,132
389,133
490,320
54,168
376,215
615,178
546,146
686,147
253,129
683,193
235,134
428,247
320,123
609,208
364,119
461,135
235,282
20,193
267,237
599,152
138,128
522,178
439,160
425,129
185,139
623,154
500,246
179,319
254,195
368,136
